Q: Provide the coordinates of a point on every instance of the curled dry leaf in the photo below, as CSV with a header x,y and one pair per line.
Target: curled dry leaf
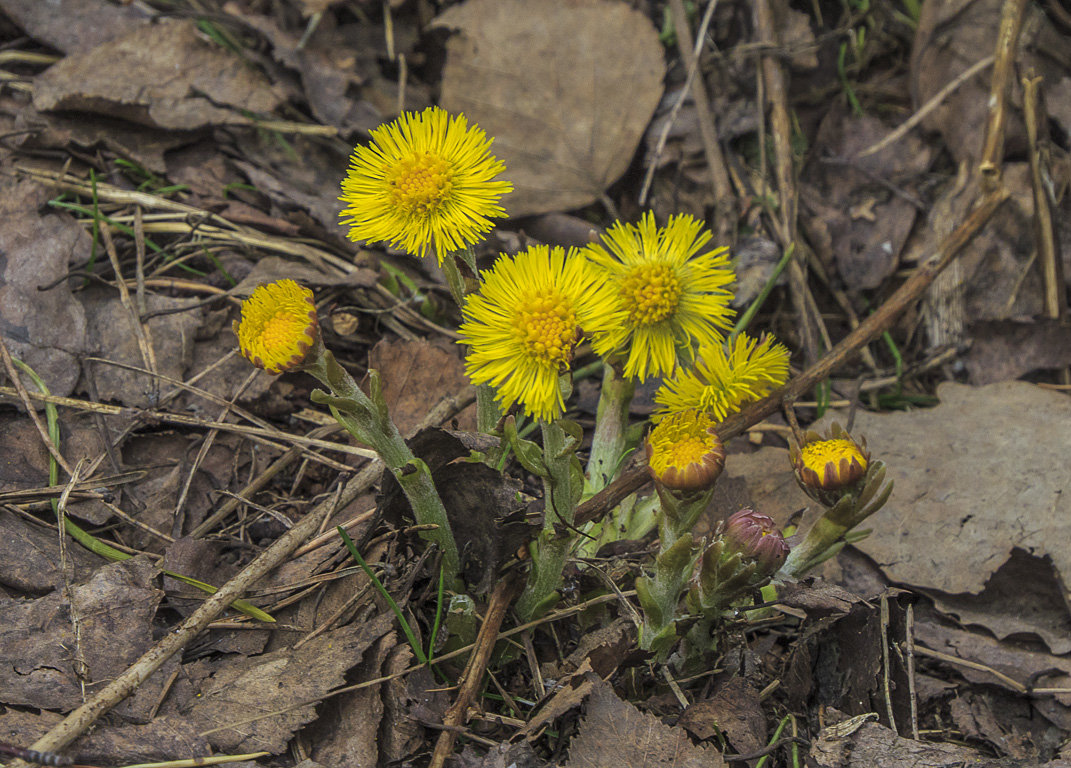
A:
x,y
164,75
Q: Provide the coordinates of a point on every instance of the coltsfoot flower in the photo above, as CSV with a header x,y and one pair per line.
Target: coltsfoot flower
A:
x,y
426,182
530,313
726,377
278,326
756,537
684,452
829,464
673,297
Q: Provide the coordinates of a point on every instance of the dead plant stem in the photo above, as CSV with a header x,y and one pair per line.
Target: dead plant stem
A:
x,y
472,677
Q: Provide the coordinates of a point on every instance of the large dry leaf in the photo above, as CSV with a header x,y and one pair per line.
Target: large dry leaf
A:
x,y
875,746
614,732
73,26
984,472
40,649
277,686
164,75
565,89
1024,596
44,328
111,325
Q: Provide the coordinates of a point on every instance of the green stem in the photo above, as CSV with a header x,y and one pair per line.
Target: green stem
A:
x,y
366,418
550,550
487,411
611,430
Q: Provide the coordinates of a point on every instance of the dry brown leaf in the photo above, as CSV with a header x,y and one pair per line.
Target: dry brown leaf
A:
x,y
982,473
613,732
1024,596
415,375
111,326
565,89
875,746
165,75
29,554
854,198
74,26
1003,350
45,329
165,738
347,732
277,685
114,612
734,709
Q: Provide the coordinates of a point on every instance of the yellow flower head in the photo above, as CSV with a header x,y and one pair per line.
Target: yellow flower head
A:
x,y
278,326
830,465
684,452
727,378
424,182
673,297
522,326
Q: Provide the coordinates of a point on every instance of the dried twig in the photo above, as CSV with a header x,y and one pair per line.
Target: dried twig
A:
x,y
472,677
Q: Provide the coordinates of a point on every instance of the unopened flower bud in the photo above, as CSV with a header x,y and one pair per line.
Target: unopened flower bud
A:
x,y
278,326
756,537
684,452
826,467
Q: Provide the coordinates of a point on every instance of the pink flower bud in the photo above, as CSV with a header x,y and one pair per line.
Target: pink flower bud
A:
x,y
755,536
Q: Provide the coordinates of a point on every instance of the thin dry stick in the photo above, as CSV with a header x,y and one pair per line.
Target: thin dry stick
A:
x,y
909,651
472,677
933,103
1051,263
1011,16
781,127
1015,684
872,327
724,198
885,661
126,683
141,330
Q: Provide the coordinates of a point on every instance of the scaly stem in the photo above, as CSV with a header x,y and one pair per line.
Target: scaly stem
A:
x,y
366,418
549,550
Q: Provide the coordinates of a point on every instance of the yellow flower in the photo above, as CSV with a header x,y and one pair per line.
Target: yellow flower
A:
x,y
424,182
830,465
278,326
684,452
724,380
673,297
524,323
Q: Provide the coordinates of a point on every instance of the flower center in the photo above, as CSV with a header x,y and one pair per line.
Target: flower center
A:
x,y
650,293
818,454
282,329
420,183
546,327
